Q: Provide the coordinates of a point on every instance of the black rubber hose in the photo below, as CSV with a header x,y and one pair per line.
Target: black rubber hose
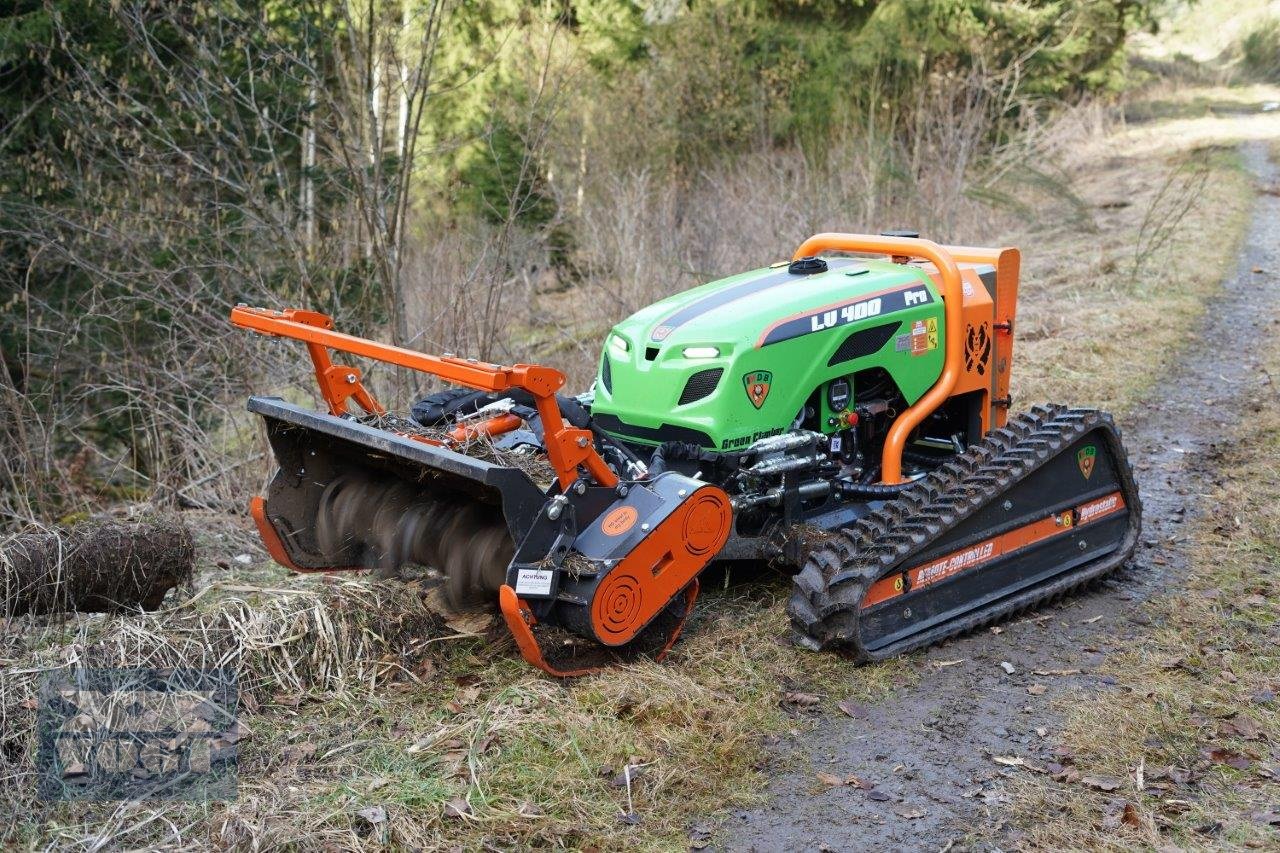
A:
x,y
573,412
873,491
608,441
918,458
672,451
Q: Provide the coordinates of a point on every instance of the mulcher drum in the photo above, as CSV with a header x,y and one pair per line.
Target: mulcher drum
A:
x,y
1035,510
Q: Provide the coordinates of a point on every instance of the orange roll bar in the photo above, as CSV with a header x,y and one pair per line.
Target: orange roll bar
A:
x,y
567,447
953,350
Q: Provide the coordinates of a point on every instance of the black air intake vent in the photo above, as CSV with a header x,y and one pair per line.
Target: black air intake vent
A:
x,y
606,375
865,342
700,384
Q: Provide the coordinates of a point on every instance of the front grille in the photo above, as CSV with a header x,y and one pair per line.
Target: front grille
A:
x,y
606,375
700,385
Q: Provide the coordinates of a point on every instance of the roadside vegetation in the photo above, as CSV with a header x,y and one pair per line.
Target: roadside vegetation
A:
x,y
442,174
1181,752
640,155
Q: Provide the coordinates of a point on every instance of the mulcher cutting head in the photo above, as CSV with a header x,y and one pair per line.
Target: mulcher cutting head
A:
x,y
608,559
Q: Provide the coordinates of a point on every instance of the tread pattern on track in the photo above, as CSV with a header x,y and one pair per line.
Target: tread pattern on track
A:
x,y
826,598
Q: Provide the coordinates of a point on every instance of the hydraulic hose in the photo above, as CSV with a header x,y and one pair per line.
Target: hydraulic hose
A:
x,y
874,491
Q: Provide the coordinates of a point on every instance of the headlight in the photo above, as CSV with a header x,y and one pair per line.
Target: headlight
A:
x,y
700,352
619,345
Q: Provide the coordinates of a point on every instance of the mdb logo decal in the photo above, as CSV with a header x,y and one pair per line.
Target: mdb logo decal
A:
x,y
1086,458
757,383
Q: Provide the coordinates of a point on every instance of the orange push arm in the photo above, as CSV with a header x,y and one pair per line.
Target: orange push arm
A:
x,y
953,349
567,447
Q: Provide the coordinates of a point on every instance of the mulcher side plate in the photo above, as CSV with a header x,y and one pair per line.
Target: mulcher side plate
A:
x,y
1037,509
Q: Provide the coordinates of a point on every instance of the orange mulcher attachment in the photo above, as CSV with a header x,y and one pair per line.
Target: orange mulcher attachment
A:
x,y
613,561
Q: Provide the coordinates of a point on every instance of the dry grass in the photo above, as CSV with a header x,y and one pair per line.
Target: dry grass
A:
x,y
357,695
1103,311
1189,731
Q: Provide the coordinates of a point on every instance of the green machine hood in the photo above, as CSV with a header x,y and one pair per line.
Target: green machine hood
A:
x,y
736,360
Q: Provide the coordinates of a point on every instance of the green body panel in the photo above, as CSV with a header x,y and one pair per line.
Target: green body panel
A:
x,y
767,320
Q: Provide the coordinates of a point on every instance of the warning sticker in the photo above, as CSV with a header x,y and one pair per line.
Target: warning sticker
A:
x,y
924,336
919,338
534,582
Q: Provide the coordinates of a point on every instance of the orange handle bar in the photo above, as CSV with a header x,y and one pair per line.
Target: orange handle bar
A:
x,y
953,349
567,447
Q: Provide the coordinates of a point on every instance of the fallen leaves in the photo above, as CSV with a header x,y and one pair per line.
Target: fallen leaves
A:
x,y
1121,813
801,700
854,709
831,780
1220,755
1055,672
1036,689
910,812
1242,726
458,808
375,816
1009,760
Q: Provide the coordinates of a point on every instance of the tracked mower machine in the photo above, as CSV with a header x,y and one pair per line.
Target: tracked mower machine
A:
x,y
845,416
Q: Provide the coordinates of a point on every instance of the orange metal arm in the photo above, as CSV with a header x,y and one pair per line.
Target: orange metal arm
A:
x,y
953,349
567,447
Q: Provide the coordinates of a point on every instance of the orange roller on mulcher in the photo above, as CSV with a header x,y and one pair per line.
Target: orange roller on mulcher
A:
x,y
844,415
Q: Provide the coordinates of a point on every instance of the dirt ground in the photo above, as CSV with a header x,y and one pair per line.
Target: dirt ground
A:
x,y
933,750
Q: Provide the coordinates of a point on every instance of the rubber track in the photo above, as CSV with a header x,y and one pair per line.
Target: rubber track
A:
x,y
826,600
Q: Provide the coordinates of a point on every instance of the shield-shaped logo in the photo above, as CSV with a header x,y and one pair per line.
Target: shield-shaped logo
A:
x,y
1085,459
757,383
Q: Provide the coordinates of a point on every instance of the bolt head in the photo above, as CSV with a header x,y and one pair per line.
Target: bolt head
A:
x,y
580,487
351,379
1008,505
622,490
582,441
553,512
644,526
